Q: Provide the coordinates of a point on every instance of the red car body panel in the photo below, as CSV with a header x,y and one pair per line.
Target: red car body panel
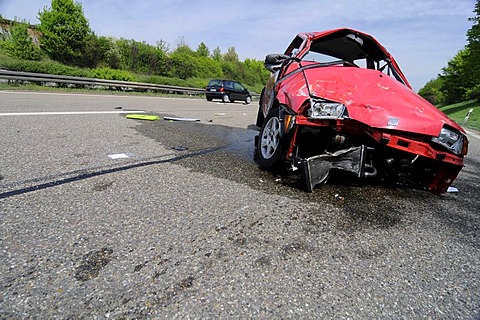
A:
x,y
370,97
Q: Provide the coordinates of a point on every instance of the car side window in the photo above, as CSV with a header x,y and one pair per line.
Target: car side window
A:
x,y
238,86
229,84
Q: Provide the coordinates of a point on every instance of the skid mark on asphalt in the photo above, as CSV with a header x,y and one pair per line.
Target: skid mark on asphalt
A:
x,y
84,174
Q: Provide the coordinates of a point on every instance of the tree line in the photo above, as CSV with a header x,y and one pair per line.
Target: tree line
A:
x,y
460,79
66,37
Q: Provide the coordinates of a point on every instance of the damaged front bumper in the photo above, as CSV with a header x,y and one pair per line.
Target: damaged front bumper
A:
x,y
316,170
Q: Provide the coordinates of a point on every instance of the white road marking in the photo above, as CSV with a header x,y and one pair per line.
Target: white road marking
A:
x,y
92,95
66,113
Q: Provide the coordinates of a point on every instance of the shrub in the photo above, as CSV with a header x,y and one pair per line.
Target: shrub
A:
x,y
19,44
65,31
474,93
182,65
112,74
140,57
164,80
48,67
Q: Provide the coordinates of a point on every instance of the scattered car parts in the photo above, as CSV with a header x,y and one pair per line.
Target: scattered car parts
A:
x,y
142,117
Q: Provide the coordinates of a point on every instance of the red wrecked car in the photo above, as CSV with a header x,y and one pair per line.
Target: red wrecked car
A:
x,y
337,100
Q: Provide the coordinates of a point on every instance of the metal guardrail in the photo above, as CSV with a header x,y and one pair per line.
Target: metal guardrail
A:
x,y
92,82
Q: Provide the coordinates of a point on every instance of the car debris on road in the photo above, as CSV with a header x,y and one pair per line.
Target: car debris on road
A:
x,y
180,119
142,117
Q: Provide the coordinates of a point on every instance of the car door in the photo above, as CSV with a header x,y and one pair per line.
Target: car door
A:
x,y
228,85
240,91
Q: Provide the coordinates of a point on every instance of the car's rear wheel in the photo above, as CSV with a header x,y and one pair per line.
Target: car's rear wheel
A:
x,y
226,98
209,99
248,99
269,141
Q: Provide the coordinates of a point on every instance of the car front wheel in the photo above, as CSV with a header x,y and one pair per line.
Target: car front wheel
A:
x,y
269,142
248,99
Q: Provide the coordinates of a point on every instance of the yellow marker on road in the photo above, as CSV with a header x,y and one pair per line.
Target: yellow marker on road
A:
x,y
142,117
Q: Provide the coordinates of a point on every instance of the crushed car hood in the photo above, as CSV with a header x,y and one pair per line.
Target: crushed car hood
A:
x,y
376,99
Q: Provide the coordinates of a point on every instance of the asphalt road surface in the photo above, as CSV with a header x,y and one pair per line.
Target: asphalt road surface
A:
x,y
108,217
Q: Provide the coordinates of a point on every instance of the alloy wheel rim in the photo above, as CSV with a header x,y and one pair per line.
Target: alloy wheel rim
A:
x,y
270,138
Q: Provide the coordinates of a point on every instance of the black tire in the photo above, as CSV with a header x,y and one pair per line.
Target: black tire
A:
x,y
269,143
209,99
248,99
226,98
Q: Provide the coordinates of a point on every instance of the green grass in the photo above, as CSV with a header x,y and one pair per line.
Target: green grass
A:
x,y
458,112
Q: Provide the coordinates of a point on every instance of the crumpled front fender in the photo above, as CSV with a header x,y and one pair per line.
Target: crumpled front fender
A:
x,y
293,92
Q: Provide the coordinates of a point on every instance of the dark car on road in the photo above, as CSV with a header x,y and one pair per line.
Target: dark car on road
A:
x,y
338,101
227,91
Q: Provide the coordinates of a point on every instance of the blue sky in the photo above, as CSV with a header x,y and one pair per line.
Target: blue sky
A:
x,y
421,34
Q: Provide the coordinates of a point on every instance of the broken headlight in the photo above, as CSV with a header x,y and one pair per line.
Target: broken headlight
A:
x,y
451,140
323,109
